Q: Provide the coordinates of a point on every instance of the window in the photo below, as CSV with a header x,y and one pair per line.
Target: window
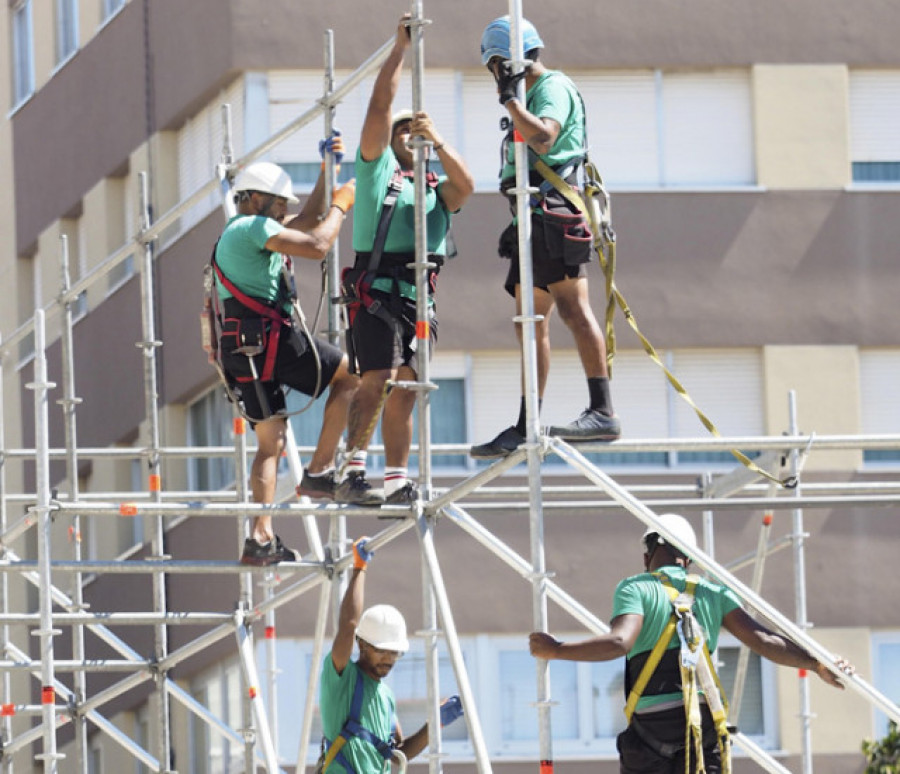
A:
x,y
200,143
879,370
646,129
111,6
66,29
875,126
219,690
210,423
885,673
22,52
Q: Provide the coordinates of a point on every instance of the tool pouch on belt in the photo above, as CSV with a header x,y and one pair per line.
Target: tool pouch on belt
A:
x,y
243,338
566,233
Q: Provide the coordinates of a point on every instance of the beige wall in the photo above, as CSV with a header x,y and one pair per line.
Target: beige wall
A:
x,y
826,383
801,124
832,731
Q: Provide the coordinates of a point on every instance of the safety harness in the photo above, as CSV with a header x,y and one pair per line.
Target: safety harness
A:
x,y
385,272
695,667
332,750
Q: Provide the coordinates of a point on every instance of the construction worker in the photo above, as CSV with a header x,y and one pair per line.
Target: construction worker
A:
x,y
551,122
654,740
261,348
358,710
383,337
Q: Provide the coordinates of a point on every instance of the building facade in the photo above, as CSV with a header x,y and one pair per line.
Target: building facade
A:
x,y
753,156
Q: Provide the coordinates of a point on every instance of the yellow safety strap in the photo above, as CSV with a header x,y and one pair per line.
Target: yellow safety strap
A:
x,y
649,667
332,753
605,245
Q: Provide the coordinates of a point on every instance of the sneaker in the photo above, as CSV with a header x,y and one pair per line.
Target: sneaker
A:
x,y
503,445
264,554
405,495
590,426
317,487
355,490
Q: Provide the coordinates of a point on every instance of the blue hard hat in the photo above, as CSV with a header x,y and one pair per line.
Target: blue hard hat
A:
x,y
495,39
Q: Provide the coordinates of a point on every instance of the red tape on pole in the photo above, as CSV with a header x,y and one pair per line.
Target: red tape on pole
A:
x,y
48,695
546,767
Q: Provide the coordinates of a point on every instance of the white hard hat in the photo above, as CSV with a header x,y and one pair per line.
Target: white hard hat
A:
x,y
678,525
266,177
401,115
383,627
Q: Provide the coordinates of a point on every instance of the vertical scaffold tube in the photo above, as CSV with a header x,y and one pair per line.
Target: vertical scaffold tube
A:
x,y
332,260
149,346
527,320
5,681
423,376
800,593
69,402
40,385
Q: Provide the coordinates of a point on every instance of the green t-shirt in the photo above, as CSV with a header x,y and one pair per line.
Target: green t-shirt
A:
x,y
645,595
554,96
372,180
377,714
243,258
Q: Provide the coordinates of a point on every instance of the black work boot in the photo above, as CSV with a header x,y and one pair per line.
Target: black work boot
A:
x,y
592,425
502,446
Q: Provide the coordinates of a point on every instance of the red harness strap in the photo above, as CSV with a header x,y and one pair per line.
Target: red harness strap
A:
x,y
262,310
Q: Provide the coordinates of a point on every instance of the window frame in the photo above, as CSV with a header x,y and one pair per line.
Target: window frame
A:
x,y
67,31
22,53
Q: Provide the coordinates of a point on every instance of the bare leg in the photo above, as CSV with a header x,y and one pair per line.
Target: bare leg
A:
x,y
397,424
543,306
334,419
270,439
364,405
571,296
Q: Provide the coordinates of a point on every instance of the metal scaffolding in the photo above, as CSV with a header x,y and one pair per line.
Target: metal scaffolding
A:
x,y
324,564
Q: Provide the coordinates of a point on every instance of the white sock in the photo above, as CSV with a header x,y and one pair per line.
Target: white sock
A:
x,y
394,479
357,464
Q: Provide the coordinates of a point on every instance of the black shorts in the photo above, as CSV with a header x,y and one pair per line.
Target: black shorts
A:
x,y
380,345
653,743
561,246
295,367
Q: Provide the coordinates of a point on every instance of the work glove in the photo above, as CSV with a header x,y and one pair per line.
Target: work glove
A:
x,y
507,83
451,710
345,196
361,556
333,145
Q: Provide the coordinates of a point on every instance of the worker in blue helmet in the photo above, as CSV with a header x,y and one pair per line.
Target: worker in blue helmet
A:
x,y
551,121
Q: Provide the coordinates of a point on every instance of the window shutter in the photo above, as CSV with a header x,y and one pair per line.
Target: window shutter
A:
x,y
874,115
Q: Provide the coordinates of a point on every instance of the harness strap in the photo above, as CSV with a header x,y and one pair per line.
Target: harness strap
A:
x,y
352,727
277,320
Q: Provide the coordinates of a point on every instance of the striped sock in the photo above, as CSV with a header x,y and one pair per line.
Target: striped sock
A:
x,y
357,464
394,479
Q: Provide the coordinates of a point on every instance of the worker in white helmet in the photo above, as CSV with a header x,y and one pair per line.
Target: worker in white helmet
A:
x,y
359,721
380,289
645,606
262,350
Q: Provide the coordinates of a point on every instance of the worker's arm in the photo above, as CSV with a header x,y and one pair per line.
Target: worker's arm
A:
x,y
315,207
623,633
459,184
316,242
451,709
376,131
351,608
778,648
539,133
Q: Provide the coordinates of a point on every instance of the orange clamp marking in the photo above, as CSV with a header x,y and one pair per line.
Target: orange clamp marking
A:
x,y
128,509
517,137
802,673
767,520
155,482
239,426
270,632
252,692
422,329
546,767
48,695
7,710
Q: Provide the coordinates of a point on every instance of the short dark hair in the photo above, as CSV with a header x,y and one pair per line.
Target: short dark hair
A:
x,y
534,54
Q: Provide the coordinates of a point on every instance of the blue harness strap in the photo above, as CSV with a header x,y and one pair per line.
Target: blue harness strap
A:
x,y
353,728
